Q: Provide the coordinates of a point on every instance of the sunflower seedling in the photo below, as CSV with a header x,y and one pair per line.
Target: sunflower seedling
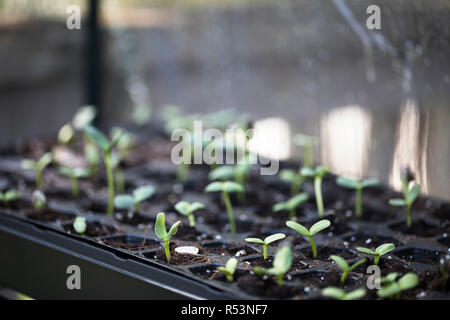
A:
x,y
407,202
239,173
74,174
317,227
346,268
340,294
106,145
317,174
161,233
358,186
38,200
225,188
38,167
126,201
229,269
379,251
294,178
268,240
393,289
187,209
291,204
8,196
79,225
281,264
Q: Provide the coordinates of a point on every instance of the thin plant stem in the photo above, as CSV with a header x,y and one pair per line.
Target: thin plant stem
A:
x,y
376,259
313,246
110,177
408,215
358,206
291,213
280,279
167,249
265,251
75,189
39,179
318,192
344,277
136,207
191,219
227,201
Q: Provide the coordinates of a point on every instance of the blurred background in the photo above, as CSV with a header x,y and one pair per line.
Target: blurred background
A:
x,y
377,99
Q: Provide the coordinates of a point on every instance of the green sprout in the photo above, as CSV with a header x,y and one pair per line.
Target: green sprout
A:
x,y
229,269
358,186
317,227
225,188
38,167
409,197
393,289
318,174
379,251
268,240
187,209
291,204
444,263
346,268
74,174
308,143
38,200
292,177
126,143
8,196
102,141
340,294
161,233
281,264
239,173
79,225
126,201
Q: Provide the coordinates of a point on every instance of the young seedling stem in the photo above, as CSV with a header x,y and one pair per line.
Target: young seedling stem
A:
x,y
187,209
317,174
229,269
291,204
346,268
161,233
268,240
358,186
281,264
379,251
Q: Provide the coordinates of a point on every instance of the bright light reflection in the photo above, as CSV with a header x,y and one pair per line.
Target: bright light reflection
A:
x,y
271,138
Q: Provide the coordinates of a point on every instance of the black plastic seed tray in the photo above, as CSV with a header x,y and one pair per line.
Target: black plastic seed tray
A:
x,y
121,260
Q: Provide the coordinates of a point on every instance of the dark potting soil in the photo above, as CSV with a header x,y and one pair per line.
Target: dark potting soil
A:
x,y
180,258
419,228
134,219
48,215
324,252
131,243
266,286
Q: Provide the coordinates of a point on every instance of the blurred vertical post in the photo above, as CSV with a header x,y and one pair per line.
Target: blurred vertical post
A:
x,y
92,59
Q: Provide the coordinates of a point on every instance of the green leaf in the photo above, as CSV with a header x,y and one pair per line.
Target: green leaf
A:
x,y
333,292
287,175
319,226
222,173
160,226
367,251
370,183
307,172
98,137
12,195
389,290
408,281
124,201
183,207
144,192
321,171
298,227
83,117
355,294
389,278
385,248
214,187
230,186
173,230
196,206
413,193
80,172
66,171
274,237
397,202
283,260
254,240
348,183
295,201
279,206
44,161
231,265
28,164
340,262
116,138
357,264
